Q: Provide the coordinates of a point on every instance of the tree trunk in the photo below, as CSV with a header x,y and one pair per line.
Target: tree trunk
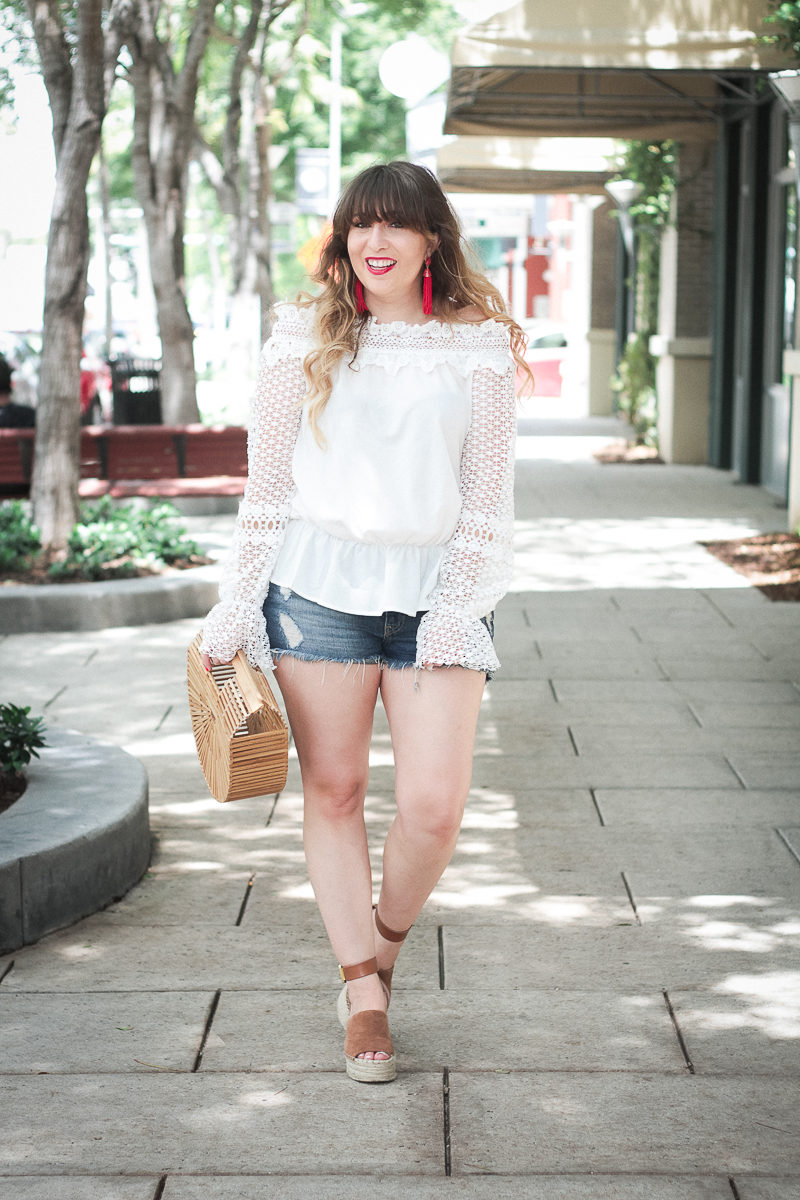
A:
x,y
164,103
77,98
54,491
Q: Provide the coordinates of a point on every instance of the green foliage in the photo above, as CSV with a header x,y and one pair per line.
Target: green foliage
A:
x,y
785,16
635,384
20,735
112,541
19,537
654,166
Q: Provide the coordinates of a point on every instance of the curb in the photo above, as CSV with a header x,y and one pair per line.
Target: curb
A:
x,y
59,608
76,840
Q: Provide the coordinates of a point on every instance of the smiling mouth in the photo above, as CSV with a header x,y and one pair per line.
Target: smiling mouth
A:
x,y
379,266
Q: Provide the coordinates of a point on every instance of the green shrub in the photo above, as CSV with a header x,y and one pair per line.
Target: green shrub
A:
x,y
20,734
635,385
111,541
19,537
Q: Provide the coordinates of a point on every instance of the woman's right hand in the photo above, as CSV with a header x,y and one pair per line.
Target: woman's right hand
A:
x,y
208,662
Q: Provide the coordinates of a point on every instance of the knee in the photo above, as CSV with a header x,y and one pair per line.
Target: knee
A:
x,y
436,816
335,797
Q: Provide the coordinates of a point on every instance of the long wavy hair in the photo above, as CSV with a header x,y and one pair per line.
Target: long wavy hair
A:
x,y
409,194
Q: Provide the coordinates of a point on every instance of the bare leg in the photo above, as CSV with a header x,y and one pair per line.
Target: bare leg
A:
x,y
433,737
330,712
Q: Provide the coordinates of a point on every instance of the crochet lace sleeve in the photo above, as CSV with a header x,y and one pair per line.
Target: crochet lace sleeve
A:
x,y
237,621
477,566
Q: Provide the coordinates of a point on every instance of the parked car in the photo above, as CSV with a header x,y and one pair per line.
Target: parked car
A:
x,y
545,355
24,355
95,390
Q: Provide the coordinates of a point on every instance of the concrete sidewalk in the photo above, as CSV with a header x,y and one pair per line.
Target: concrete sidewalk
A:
x,y
601,1000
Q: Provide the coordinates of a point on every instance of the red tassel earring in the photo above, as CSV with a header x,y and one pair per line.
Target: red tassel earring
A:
x,y
361,304
427,288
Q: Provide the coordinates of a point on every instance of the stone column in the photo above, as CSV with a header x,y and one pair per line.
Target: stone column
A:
x,y
601,321
683,342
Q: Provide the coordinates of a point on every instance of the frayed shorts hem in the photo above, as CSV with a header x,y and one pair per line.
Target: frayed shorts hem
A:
x,y
389,664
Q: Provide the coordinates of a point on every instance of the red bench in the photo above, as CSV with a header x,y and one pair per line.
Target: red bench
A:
x,y
127,453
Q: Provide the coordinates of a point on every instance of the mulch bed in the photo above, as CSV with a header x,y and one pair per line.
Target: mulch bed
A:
x,y
12,786
770,561
627,452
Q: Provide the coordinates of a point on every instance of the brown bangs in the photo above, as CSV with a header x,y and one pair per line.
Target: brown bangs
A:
x,y
384,193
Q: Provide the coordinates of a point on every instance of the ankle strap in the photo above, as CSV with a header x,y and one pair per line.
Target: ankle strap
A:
x,y
391,935
359,970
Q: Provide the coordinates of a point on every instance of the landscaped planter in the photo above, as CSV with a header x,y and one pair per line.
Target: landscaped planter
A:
x,y
77,839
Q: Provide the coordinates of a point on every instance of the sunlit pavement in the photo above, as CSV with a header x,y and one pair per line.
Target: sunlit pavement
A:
x,y
602,998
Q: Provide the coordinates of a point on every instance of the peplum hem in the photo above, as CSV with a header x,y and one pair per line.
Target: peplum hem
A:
x,y
365,578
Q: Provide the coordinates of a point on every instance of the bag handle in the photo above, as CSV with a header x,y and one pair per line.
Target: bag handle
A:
x,y
253,698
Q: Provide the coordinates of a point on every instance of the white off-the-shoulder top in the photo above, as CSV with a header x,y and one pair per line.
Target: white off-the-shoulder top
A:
x,y
407,507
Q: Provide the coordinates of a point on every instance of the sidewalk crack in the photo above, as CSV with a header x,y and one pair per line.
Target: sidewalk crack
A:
x,y
247,893
212,1012
629,894
678,1032
440,943
597,808
782,837
448,1166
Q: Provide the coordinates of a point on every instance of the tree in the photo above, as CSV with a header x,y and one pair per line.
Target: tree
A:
x,y
163,131
239,168
275,89
78,46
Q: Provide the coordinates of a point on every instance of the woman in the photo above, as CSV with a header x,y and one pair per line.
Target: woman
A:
x,y
375,533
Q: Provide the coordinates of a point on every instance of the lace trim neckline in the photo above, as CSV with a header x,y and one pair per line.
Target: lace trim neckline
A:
x,y
437,328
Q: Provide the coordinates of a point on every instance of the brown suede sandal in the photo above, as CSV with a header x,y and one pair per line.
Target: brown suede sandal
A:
x,y
368,1030
384,973
391,935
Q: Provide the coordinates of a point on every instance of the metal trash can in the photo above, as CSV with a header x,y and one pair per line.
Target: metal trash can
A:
x,y
135,391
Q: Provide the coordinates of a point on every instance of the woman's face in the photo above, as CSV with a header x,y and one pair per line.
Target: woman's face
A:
x,y
388,258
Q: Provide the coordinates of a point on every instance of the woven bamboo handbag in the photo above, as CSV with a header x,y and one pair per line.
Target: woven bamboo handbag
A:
x,y
241,737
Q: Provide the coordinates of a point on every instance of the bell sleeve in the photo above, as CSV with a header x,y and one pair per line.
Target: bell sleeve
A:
x,y
237,621
478,562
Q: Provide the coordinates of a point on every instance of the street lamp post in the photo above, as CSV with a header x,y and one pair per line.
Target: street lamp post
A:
x,y
625,193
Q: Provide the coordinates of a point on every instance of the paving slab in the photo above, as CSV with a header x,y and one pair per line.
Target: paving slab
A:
x,y
664,808
768,1189
614,1122
764,770
653,716
77,1187
764,741
164,898
629,959
641,667
729,1031
531,1030
614,770
554,902
707,665
225,1124
498,1187
748,716
735,691
99,1033
101,955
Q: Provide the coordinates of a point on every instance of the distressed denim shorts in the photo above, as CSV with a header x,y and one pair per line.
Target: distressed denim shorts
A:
x,y
303,629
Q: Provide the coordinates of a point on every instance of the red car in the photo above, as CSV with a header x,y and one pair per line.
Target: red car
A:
x,y
95,390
